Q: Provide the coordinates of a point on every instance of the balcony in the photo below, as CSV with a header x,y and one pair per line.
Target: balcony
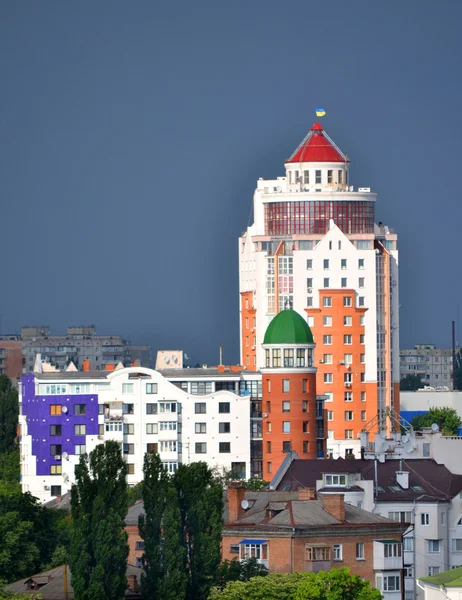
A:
x,y
314,566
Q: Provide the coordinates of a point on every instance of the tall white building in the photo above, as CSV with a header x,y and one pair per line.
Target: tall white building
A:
x,y
66,414
314,245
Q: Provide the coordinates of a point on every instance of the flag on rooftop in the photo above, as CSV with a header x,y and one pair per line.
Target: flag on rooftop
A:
x,y
320,112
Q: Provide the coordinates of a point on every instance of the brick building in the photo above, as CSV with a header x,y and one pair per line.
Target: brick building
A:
x,y
305,531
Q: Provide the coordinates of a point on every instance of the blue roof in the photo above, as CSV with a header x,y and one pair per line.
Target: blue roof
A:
x,y
253,541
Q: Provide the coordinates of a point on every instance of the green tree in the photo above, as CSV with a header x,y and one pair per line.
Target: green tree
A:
x,y
9,472
174,579
458,373
337,584
410,383
99,546
154,491
18,554
9,411
446,418
235,570
200,499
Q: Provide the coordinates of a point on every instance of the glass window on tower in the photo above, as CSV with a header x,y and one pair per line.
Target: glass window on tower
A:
x,y
306,177
318,176
330,176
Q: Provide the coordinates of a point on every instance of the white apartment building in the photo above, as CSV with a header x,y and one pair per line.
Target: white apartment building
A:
x,y
314,245
65,414
432,364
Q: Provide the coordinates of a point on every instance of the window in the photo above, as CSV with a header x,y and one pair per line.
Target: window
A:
x,y
363,396
408,571
56,469
361,281
328,359
224,447
286,427
360,551
361,301
329,396
80,409
343,282
80,429
200,427
151,428
168,446
330,415
224,407
168,425
328,377
362,358
347,301
80,449
360,263
55,430
286,386
408,544
153,447
317,174
348,434
317,553
327,340
392,550
286,406
433,545
128,409
101,429
306,176
425,519
337,551
151,408
348,396
433,571
305,427
268,447
361,320
347,339
268,426
330,434
327,301
56,410
201,448
304,406
199,388
363,415
326,282
305,447
224,427
55,490
426,449
388,583
400,516
131,471
330,176
129,429
457,545
286,447
348,415
348,321
269,466
129,448
335,480
200,408
348,358
127,388
276,358
288,357
362,377
325,263
309,301
56,450
53,388
151,388
139,545
301,358
327,321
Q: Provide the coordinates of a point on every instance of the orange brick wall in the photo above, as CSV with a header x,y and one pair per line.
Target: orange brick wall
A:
x,y
133,537
248,331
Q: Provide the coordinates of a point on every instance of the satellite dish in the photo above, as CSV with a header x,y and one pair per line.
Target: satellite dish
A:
x,y
65,455
383,434
245,504
175,359
64,409
409,447
405,438
435,428
186,357
167,360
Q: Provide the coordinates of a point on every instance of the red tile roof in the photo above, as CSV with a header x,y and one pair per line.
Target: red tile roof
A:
x,y
317,147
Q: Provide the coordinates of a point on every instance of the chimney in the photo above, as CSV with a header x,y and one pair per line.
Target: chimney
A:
x,y
307,494
236,494
402,479
86,365
334,504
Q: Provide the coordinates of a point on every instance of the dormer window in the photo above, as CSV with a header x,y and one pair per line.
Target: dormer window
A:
x,y
335,480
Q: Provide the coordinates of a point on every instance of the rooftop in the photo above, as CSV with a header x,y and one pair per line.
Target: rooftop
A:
x,y
288,327
317,147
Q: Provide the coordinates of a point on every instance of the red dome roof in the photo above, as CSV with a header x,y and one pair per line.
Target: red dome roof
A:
x,y
317,147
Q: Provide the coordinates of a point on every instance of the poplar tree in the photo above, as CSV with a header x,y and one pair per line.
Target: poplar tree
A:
x,y
9,411
174,578
99,548
200,499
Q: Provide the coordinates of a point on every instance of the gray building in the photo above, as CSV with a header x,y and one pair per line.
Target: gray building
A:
x,y
79,344
434,365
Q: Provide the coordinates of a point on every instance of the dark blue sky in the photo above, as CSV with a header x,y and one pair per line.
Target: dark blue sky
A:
x,y
132,135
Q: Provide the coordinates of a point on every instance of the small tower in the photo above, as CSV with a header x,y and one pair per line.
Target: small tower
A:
x,y
289,404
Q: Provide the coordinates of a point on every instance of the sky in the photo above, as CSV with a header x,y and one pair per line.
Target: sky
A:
x,y
132,135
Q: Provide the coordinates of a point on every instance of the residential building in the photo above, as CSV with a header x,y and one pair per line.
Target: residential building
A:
x,y
442,586
315,244
300,530
293,416
420,493
432,364
65,414
80,345
11,360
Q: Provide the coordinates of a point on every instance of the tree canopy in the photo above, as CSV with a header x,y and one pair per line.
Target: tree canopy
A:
x,y
9,411
337,584
411,383
446,418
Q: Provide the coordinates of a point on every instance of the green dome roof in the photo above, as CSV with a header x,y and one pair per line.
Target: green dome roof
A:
x,y
288,327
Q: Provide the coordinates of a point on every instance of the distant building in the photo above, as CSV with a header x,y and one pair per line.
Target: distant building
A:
x,y
11,360
302,530
432,364
79,344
